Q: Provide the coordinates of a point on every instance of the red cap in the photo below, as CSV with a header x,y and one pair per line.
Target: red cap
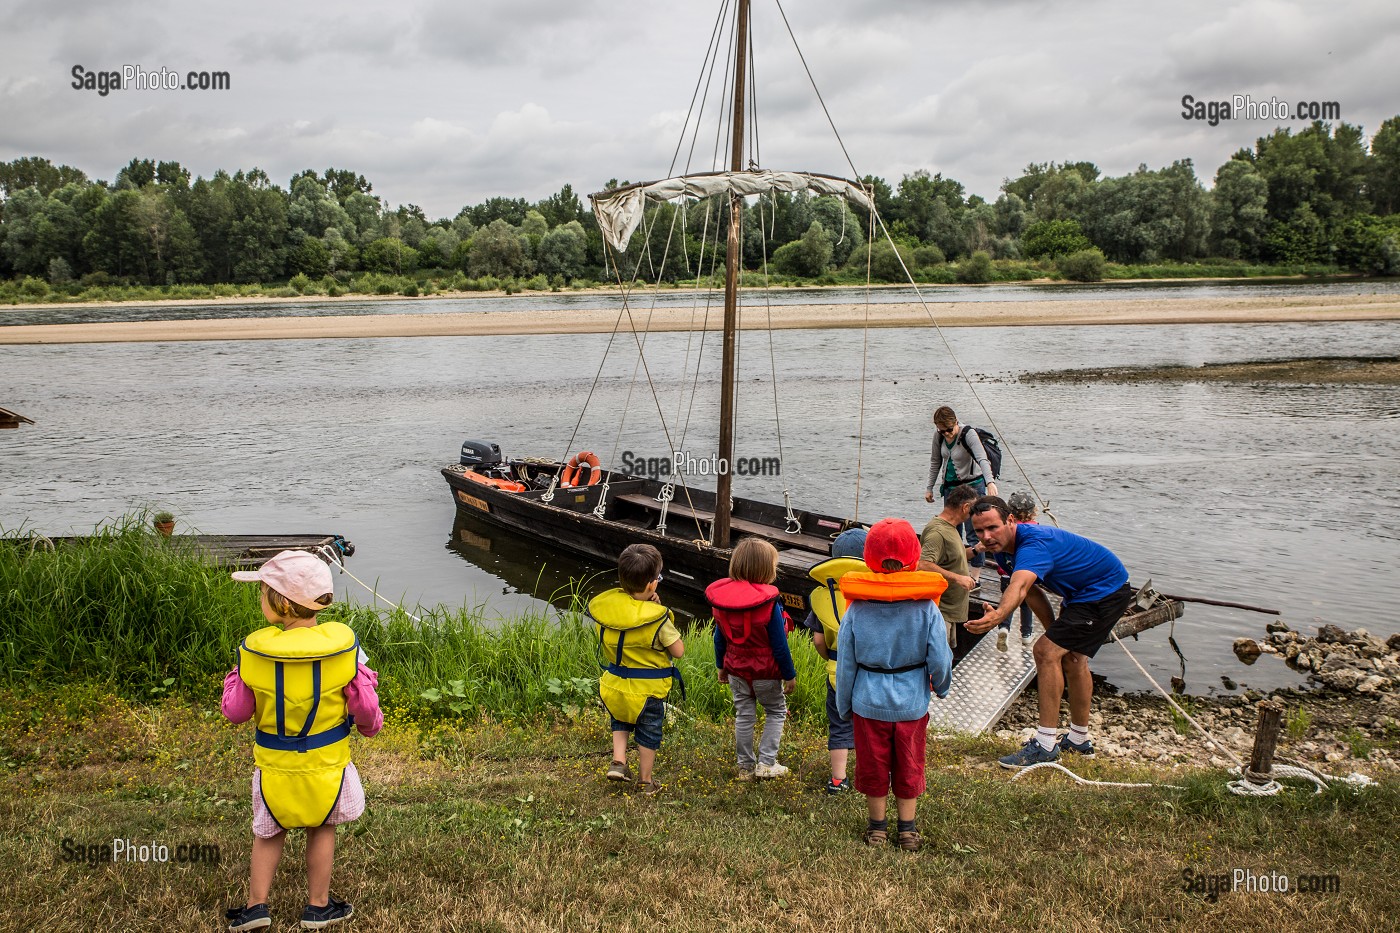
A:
x,y
891,538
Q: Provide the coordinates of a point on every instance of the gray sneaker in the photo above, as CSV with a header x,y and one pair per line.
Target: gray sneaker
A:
x,y
1030,754
619,772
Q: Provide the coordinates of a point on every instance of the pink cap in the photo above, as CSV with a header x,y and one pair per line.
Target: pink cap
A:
x,y
297,575
891,538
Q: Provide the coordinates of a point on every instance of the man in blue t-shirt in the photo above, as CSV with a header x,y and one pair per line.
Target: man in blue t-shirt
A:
x,y
1093,587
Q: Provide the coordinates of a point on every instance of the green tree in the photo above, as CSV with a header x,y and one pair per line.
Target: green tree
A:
x,y
1371,245
564,251
1085,265
561,208
312,209
34,172
1302,239
976,269
1053,238
1150,215
809,256
496,250
1239,210
310,259
1383,168
390,256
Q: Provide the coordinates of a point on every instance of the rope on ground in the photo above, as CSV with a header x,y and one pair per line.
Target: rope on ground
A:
x,y
328,554
1079,780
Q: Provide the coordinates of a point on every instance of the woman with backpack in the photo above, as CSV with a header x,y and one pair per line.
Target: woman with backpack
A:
x,y
960,458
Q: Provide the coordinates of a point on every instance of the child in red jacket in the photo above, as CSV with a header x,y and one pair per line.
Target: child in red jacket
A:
x,y
751,652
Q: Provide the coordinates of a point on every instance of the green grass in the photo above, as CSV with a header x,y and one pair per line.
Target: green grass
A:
x,y
507,824
128,611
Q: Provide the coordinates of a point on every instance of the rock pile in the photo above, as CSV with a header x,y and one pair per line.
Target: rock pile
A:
x,y
1356,661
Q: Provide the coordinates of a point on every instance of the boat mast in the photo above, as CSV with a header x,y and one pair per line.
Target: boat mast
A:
x,y
720,530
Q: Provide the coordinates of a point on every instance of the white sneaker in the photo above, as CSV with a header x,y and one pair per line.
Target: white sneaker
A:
x,y
1027,640
1001,640
763,771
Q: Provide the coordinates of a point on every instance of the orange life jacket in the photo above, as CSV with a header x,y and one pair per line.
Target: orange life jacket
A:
x,y
893,587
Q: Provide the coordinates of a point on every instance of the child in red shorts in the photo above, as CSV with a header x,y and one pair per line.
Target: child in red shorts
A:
x,y
891,651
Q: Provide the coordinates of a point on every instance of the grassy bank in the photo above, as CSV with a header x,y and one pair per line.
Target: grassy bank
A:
x,y
507,824
126,611
488,809
30,290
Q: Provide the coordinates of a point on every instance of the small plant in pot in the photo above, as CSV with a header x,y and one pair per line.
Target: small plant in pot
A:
x,y
165,523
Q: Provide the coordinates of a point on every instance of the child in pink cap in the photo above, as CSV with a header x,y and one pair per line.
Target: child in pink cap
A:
x,y
306,685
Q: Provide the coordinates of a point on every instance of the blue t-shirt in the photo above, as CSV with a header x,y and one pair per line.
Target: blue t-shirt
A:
x,y
1075,568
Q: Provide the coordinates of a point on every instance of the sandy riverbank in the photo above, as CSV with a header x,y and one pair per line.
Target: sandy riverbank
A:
x,y
1126,310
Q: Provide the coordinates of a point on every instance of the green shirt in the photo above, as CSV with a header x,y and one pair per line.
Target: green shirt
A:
x,y
942,545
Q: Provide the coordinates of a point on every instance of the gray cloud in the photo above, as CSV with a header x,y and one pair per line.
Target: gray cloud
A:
x,y
444,104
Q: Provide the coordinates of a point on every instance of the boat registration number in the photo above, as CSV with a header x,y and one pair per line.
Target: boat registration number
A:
x,y
796,602
472,501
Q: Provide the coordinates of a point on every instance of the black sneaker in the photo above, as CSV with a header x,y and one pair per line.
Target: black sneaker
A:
x,y
248,918
838,787
316,918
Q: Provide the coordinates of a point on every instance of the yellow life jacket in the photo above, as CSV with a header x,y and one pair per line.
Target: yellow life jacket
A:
x,y
298,677
829,604
632,669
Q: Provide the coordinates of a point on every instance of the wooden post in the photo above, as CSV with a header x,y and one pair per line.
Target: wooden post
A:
x,y
1261,759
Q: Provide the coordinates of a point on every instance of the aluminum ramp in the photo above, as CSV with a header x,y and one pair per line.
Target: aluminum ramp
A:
x,y
986,681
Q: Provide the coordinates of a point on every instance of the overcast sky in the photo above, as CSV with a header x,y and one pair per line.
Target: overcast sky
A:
x,y
444,103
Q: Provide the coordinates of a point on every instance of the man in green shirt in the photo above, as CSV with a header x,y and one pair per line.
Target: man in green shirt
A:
x,y
944,551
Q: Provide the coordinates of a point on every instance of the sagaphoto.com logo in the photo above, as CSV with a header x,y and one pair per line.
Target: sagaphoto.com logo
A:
x,y
135,77
1245,107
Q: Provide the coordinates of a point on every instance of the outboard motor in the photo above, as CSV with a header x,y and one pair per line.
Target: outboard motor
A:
x,y
480,455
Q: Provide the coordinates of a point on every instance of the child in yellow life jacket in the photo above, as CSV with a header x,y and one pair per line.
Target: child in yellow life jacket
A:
x,y
637,638
824,622
891,650
305,685
751,652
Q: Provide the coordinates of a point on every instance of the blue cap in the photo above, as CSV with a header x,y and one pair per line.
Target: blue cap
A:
x,y
849,543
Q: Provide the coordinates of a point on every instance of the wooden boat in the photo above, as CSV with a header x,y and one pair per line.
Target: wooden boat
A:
x,y
237,552
693,528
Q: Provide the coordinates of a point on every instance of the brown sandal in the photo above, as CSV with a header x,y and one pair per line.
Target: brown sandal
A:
x,y
875,837
910,840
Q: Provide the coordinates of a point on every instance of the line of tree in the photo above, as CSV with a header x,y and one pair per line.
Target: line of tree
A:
x,y
1321,196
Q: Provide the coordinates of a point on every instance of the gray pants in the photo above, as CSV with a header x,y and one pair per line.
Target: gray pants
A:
x,y
746,700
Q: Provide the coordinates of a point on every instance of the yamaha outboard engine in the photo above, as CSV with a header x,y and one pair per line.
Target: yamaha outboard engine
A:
x,y
480,455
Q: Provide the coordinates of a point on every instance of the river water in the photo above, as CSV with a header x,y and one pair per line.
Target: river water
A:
x,y
1283,496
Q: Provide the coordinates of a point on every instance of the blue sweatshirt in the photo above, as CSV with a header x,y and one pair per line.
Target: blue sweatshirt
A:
x,y
891,635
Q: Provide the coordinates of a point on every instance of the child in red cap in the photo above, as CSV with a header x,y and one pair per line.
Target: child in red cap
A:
x,y
892,650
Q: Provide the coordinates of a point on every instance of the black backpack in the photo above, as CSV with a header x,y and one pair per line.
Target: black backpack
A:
x,y
989,443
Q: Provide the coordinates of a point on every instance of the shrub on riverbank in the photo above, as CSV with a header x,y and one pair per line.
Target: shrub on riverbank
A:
x,y
136,614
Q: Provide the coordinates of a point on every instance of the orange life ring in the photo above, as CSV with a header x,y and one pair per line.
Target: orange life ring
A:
x,y
502,484
575,466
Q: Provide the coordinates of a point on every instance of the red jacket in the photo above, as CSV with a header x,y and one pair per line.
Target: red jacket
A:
x,y
742,611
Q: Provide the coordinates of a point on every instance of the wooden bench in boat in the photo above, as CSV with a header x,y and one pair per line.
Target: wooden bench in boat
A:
x,y
820,546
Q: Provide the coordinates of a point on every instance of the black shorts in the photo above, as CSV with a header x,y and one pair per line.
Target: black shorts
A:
x,y
1084,627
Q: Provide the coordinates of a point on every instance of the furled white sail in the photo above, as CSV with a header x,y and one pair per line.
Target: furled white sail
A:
x,y
620,212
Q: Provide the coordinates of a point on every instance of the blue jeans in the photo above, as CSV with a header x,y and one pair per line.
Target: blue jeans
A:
x,y
1024,610
647,728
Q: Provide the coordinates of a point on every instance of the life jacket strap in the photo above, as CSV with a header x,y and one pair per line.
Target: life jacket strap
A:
x,y
891,670
304,743
648,673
